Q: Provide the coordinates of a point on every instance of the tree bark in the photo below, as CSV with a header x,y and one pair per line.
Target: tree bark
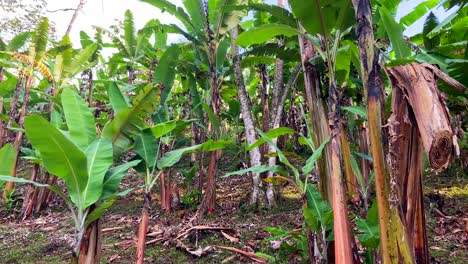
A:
x,y
251,135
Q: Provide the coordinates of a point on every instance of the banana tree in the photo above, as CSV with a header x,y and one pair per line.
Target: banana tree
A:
x,y
148,147
133,47
83,161
33,61
206,24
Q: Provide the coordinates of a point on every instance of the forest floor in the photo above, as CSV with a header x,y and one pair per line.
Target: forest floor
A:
x,y
47,238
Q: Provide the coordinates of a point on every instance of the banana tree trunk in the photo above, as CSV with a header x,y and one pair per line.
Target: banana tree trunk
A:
x,y
265,105
419,121
341,227
90,249
2,129
13,112
209,198
318,116
351,180
143,229
19,135
406,149
419,84
28,203
162,185
251,135
208,202
394,241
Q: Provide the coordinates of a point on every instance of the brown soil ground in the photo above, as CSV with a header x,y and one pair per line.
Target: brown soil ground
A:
x,y
46,238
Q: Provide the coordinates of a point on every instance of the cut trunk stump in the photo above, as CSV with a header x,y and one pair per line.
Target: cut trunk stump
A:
x,y
419,121
418,83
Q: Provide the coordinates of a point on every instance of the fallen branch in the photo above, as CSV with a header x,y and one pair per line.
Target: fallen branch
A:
x,y
110,229
250,255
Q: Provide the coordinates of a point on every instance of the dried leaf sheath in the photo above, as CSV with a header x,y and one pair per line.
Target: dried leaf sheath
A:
x,y
419,85
406,166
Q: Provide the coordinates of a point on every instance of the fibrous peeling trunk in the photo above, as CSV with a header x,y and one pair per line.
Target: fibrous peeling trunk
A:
x,y
419,84
317,114
207,204
351,180
90,248
28,203
143,229
341,228
393,236
251,135
406,151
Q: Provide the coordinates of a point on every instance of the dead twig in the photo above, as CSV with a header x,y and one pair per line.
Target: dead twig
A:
x,y
250,255
110,229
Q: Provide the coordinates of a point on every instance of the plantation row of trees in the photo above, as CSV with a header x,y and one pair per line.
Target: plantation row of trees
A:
x,y
328,96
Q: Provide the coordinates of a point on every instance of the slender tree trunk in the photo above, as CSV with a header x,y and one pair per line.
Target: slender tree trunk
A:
x,y
343,240
75,15
317,115
265,106
351,181
28,203
143,229
162,186
2,129
19,135
90,88
167,192
209,199
201,169
13,112
274,123
251,135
